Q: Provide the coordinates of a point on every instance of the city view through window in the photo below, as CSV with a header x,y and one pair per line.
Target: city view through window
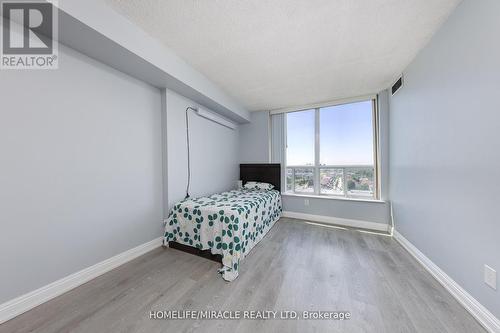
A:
x,y
330,151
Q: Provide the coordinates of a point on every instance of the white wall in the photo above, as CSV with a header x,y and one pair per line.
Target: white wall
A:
x,y
214,152
383,141
377,212
445,149
254,139
80,169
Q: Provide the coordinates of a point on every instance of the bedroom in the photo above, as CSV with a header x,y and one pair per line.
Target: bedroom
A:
x,y
249,166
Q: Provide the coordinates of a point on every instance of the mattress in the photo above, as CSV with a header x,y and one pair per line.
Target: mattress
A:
x,y
229,223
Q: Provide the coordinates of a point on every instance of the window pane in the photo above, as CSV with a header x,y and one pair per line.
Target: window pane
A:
x,y
346,134
289,180
300,138
331,181
360,182
304,180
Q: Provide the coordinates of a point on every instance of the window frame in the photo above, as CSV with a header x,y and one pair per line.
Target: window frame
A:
x,y
317,167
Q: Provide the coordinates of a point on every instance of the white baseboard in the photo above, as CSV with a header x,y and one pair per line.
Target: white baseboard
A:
x,y
476,309
338,221
21,304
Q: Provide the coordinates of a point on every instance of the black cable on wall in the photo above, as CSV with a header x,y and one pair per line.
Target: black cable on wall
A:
x,y
188,157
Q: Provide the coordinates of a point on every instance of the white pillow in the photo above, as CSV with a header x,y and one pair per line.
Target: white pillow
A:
x,y
258,186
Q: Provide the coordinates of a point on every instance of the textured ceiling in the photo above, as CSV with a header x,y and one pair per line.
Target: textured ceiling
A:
x,y
285,53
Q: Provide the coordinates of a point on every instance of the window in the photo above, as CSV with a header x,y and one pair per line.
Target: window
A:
x,y
332,151
300,138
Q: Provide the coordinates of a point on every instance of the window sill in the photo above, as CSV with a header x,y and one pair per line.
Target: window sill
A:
x,y
331,197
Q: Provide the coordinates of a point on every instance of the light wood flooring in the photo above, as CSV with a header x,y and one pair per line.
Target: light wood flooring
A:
x,y
297,266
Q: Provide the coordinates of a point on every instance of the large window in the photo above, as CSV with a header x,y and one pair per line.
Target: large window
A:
x,y
332,151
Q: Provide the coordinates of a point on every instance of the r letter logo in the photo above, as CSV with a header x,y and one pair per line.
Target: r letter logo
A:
x,y
29,35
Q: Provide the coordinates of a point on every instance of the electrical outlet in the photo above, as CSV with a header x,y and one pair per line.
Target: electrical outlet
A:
x,y
490,277
306,202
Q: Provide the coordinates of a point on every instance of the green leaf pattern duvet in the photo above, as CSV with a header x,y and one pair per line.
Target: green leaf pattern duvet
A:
x,y
229,223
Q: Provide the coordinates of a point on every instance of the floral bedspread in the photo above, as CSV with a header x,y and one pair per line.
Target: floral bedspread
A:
x,y
229,223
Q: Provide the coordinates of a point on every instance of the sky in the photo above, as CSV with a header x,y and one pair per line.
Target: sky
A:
x,y
346,135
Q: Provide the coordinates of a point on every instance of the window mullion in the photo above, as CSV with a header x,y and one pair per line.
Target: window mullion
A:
x,y
344,177
376,165
284,154
316,152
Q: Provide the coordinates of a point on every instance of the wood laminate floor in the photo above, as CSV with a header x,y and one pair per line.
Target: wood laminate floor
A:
x,y
297,266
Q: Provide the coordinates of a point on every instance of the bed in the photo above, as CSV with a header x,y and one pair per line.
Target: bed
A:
x,y
226,226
